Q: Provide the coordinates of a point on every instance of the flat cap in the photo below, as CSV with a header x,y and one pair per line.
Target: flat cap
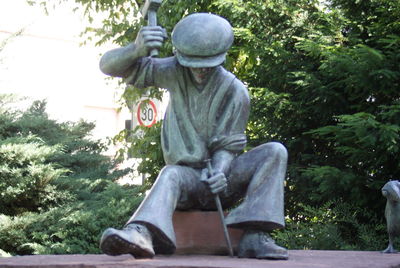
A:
x,y
202,40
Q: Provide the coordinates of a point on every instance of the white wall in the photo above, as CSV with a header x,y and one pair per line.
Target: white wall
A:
x,y
47,61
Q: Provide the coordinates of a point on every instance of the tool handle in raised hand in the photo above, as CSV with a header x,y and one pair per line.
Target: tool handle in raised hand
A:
x,y
152,21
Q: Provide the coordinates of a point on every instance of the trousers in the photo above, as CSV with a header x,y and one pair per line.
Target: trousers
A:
x,y
255,191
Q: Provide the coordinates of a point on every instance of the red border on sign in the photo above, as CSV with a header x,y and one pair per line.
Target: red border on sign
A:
x,y
155,113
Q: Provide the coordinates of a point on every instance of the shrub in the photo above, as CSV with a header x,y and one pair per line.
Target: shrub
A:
x,y
26,176
74,228
333,226
57,190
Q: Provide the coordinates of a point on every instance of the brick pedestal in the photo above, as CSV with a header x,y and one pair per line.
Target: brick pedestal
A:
x,y
200,232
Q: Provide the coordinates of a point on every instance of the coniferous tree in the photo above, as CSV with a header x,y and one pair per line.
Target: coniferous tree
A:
x,y
57,191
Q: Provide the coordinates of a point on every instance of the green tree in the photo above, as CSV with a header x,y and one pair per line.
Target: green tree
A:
x,y
58,192
26,175
355,148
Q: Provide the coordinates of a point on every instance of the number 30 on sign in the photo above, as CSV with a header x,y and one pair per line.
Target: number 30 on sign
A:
x,y
147,113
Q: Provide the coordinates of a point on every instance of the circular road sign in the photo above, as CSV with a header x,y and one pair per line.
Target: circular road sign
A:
x,y
146,113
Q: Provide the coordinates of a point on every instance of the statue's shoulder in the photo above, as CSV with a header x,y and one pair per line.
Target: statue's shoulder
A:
x,y
237,87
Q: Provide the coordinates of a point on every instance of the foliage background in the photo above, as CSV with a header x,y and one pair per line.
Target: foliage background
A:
x,y
324,81
57,191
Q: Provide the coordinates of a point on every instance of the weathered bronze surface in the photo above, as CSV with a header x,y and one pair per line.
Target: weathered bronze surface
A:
x,y
391,190
205,119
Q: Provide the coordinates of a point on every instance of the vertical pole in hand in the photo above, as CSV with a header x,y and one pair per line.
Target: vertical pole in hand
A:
x,y
221,212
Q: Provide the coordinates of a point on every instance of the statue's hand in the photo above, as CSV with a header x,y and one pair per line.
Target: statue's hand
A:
x,y
217,183
150,37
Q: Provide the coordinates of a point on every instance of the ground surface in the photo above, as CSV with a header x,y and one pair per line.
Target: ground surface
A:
x,y
297,259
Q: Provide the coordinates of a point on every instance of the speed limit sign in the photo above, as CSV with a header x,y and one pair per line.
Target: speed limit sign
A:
x,y
146,113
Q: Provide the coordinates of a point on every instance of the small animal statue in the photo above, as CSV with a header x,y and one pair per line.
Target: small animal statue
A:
x,y
391,190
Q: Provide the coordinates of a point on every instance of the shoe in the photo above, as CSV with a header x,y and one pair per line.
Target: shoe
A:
x,y
257,244
134,239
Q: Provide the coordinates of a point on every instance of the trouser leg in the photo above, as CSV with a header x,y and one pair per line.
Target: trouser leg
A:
x,y
262,170
156,210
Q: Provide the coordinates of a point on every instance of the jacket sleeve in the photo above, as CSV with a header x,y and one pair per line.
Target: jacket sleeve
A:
x,y
153,72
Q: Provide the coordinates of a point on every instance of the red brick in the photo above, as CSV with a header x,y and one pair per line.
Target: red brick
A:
x,y
200,232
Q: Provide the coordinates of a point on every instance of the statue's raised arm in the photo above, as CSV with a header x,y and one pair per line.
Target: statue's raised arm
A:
x,y
118,61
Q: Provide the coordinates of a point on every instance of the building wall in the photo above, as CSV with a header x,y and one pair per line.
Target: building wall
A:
x,y
48,62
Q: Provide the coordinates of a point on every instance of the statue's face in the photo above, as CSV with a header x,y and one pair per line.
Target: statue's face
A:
x,y
200,75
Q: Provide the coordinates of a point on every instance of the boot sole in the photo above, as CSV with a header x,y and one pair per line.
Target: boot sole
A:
x,y
271,256
114,245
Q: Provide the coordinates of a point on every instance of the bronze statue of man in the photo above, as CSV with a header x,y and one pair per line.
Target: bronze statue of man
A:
x,y
205,119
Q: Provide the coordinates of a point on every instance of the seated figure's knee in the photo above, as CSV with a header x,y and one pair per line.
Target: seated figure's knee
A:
x,y
170,173
276,150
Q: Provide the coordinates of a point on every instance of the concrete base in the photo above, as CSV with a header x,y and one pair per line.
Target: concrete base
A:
x,y
297,259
